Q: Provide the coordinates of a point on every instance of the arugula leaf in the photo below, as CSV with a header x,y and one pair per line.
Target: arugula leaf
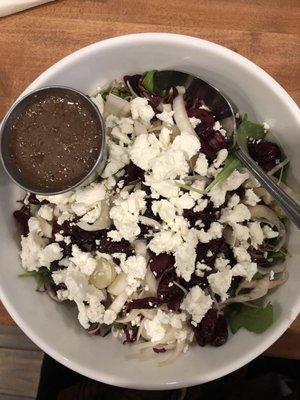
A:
x,y
278,256
258,276
42,276
122,92
188,187
254,318
231,164
105,92
148,81
248,129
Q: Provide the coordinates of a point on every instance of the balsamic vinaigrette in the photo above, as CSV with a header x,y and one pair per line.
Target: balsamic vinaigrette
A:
x,y
55,141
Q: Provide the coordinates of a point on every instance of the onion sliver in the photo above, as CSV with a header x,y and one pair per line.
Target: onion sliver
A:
x,y
118,285
116,105
118,302
181,117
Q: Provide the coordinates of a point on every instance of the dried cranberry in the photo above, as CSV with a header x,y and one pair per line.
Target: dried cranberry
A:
x,y
132,173
133,81
130,334
265,153
206,216
204,331
212,329
215,246
106,245
236,280
161,263
168,291
161,350
206,117
32,199
220,334
145,303
22,216
257,256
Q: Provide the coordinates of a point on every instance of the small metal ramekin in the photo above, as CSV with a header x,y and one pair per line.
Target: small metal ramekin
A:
x,y
17,108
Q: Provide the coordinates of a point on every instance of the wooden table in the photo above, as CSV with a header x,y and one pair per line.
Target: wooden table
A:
x,y
265,31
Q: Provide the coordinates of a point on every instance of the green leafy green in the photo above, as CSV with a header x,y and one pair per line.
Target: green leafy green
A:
x,y
247,130
148,81
122,92
252,316
105,92
188,187
257,277
231,164
42,276
278,256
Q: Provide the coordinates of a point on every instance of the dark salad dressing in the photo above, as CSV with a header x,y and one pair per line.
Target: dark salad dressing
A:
x,y
55,141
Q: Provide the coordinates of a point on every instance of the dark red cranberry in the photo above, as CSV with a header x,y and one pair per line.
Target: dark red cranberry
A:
x,y
265,153
257,256
32,199
212,329
133,81
22,216
132,173
204,331
161,263
206,117
145,303
168,291
130,334
220,334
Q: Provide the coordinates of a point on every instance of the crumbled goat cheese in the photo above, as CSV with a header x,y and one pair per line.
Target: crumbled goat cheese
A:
x,y
241,254
266,126
238,213
140,109
201,205
144,150
32,246
233,182
269,233
272,275
221,157
201,165
240,232
166,117
187,143
201,268
135,270
196,303
246,269
167,188
50,253
251,199
40,226
46,212
87,297
169,165
117,159
194,121
222,264
164,242
185,257
184,202
256,234
83,260
165,209
214,232
125,214
233,201
220,283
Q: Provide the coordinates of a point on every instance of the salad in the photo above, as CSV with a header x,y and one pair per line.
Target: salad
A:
x,y
175,243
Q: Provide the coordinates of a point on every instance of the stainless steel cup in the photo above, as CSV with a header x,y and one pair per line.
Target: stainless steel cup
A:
x,y
17,108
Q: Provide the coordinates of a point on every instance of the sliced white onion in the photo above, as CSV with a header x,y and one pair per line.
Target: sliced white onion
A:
x,y
128,318
118,302
139,128
277,269
278,166
103,222
151,282
149,314
280,281
149,221
116,105
260,289
118,285
263,194
266,214
180,116
104,274
174,355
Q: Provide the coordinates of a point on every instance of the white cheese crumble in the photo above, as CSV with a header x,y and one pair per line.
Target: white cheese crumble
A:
x,y
196,303
135,270
201,165
220,283
251,199
46,212
269,233
140,109
221,157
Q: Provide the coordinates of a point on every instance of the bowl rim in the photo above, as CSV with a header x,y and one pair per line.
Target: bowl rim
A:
x,y
273,335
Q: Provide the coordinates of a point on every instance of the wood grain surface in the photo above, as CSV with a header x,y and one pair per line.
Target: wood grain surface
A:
x,y
265,31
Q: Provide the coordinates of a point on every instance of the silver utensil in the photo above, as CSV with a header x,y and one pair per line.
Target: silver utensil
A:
x,y
225,111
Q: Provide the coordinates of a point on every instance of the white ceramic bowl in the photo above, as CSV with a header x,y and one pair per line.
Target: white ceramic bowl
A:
x,y
51,326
